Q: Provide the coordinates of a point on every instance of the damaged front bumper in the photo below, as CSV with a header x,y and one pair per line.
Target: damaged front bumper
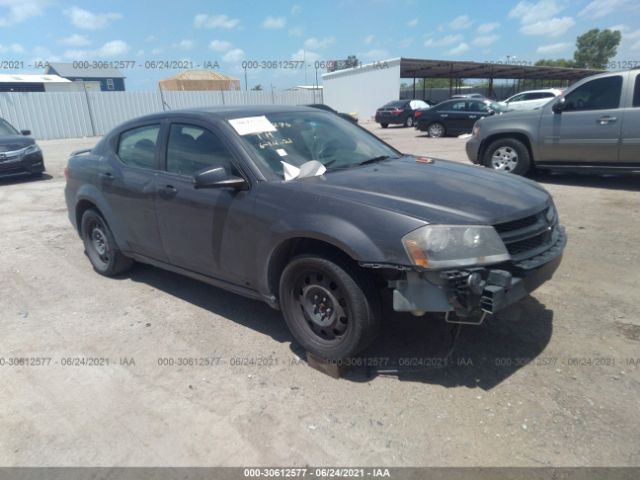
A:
x,y
475,292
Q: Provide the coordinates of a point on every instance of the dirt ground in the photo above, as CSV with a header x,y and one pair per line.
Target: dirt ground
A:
x,y
554,381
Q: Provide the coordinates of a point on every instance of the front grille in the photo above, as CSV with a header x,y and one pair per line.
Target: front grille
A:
x,y
528,236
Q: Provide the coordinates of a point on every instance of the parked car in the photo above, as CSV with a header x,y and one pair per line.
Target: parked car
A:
x,y
399,112
530,99
19,153
313,215
592,126
455,117
346,116
477,96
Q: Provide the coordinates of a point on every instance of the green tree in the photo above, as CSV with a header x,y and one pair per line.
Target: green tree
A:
x,y
595,48
560,62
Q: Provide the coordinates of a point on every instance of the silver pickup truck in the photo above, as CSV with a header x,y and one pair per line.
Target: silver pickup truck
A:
x,y
594,126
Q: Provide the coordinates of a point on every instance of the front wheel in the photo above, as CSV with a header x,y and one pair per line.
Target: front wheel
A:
x,y
330,309
100,246
507,155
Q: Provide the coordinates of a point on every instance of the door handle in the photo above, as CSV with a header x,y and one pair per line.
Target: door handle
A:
x,y
168,190
444,115
472,116
108,176
606,120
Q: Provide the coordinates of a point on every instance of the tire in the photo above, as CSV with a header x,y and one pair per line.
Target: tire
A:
x,y
330,309
384,125
436,130
409,121
507,155
100,246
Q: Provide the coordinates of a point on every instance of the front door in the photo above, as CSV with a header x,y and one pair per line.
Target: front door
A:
x,y
588,130
197,226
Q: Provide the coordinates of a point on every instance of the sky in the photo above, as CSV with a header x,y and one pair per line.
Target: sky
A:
x,y
221,35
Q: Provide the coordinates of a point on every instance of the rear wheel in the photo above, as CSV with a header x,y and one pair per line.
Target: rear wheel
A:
x,y
436,130
330,309
384,125
408,122
100,246
507,155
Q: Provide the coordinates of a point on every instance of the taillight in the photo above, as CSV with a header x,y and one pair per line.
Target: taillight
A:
x,y
66,173
418,113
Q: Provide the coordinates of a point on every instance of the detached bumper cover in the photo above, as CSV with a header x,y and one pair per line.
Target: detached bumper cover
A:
x,y
467,291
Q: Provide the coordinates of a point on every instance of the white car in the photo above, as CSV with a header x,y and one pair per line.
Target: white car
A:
x,y
530,99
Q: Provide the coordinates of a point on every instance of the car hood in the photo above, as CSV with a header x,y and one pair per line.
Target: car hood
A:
x,y
437,192
9,143
510,116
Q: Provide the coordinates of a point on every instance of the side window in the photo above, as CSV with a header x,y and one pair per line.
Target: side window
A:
x,y
478,106
191,149
599,94
458,105
517,98
137,147
636,92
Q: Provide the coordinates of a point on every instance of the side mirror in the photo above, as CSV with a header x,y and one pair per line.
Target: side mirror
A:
x,y
25,132
559,105
491,112
218,178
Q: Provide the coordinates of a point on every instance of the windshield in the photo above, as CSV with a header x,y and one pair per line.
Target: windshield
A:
x,y
7,129
299,137
496,107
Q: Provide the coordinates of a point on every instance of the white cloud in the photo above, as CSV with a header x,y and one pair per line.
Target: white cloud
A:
x,y
13,48
235,55
296,31
444,41
306,55
75,40
601,8
274,22
19,11
204,20
488,27
87,20
318,43
553,27
460,23
412,23
157,51
406,42
539,18
113,48
368,40
150,38
485,40
296,9
553,48
183,44
459,50
220,45
375,54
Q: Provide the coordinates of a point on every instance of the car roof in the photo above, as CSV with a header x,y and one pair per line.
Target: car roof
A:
x,y
227,111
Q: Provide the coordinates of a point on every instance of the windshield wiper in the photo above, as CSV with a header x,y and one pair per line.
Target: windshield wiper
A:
x,y
376,159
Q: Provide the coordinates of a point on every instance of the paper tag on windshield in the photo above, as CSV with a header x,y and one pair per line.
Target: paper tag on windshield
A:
x,y
249,125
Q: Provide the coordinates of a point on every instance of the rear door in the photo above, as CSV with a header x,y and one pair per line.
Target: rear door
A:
x,y
454,116
200,226
127,181
477,110
630,137
588,130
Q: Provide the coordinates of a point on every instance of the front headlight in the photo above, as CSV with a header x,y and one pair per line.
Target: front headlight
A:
x,y
448,246
31,149
476,131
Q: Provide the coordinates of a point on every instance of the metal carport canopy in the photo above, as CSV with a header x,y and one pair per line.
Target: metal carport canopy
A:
x,y
418,68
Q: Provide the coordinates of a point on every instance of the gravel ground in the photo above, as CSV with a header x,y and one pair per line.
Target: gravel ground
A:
x,y
553,381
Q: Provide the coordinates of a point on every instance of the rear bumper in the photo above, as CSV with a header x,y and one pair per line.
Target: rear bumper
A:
x,y
473,149
470,291
391,119
23,165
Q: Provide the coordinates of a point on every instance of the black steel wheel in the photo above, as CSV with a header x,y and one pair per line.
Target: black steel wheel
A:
x,y
100,246
330,309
